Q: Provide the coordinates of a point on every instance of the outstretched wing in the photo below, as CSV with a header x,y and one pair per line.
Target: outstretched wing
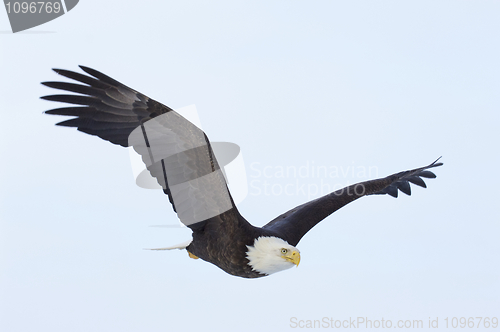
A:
x,y
294,224
176,152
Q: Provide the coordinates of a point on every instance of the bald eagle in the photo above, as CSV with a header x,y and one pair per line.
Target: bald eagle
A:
x,y
180,157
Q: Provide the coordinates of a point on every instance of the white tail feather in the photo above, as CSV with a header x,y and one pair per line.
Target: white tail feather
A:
x,y
179,246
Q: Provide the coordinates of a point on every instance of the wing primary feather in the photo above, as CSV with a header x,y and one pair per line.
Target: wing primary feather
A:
x,y
427,174
404,186
417,181
102,77
81,78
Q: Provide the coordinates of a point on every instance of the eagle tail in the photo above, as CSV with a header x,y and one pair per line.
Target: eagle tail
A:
x,y
179,246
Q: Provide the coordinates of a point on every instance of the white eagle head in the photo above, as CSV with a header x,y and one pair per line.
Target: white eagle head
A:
x,y
271,254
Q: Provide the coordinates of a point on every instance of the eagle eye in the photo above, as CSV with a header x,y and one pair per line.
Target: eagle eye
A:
x,y
284,251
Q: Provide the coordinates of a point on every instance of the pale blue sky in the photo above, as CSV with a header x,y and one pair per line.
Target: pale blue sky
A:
x,y
386,84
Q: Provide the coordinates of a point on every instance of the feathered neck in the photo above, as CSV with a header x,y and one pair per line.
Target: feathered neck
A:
x,y
264,256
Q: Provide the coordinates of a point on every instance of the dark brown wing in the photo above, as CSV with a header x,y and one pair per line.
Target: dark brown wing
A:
x,y
176,152
294,224
110,109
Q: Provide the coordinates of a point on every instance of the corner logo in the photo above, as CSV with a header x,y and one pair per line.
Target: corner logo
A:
x,y
25,15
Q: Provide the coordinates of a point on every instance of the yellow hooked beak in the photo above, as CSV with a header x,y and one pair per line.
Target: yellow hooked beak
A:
x,y
293,257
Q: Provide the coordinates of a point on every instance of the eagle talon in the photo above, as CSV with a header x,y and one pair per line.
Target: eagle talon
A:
x,y
192,256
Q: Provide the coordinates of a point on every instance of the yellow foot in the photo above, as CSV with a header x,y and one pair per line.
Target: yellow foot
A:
x,y
192,256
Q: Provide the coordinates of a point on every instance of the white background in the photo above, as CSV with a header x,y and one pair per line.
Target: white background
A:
x,y
385,84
